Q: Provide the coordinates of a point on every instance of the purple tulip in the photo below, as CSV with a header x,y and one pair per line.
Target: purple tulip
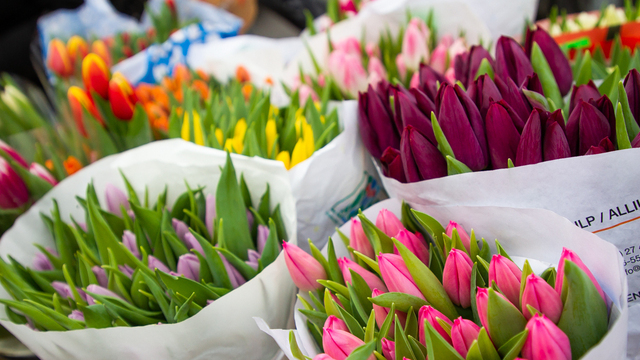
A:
x,y
543,138
410,115
154,263
432,315
210,212
115,199
483,91
392,164
263,236
14,154
76,315
502,134
421,160
636,142
234,275
253,257
606,108
456,277
463,333
250,219
584,92
13,191
511,60
466,65
556,145
586,127
129,241
126,269
541,296
41,263
335,323
180,228
514,96
461,68
371,279
545,341
396,276
632,88
64,290
507,276
191,242
604,146
99,290
101,276
425,104
415,243
376,125
189,266
429,79
558,62
41,172
462,125
532,83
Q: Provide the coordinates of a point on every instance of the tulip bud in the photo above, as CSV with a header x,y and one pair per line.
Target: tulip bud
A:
x,y
79,102
456,277
426,106
388,222
573,257
632,88
77,48
376,67
191,242
13,153
154,263
234,275
121,97
421,159
189,266
396,275
464,237
401,65
263,236
76,315
511,60
64,290
414,44
556,145
383,312
129,241
585,93
13,191
303,268
339,344
42,263
392,164
58,59
99,290
432,315
388,349
323,357
348,72
545,341
514,96
116,199
541,296
408,114
462,125
252,259
358,239
586,127
507,276
483,91
374,120
335,323
463,333
532,83
558,62
372,280
415,243
466,65
304,93
101,276
502,134
95,75
604,146
180,228
41,172
429,79
101,49
439,58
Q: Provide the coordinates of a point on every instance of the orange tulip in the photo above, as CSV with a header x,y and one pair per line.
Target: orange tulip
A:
x,y
242,75
202,75
157,116
202,88
122,97
100,47
78,101
247,89
58,59
160,97
268,80
49,164
144,92
77,48
95,75
72,165
181,74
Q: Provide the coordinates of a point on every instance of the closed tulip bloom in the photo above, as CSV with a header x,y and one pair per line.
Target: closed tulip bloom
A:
x,y
13,190
388,349
323,357
376,126
541,296
99,290
558,62
636,142
466,65
13,153
408,114
545,341
76,315
42,263
252,259
584,92
101,276
370,278
511,60
483,91
349,45
507,276
358,239
461,123
129,241
154,263
77,48
421,160
415,243
234,275
396,276
339,344
388,222
464,237
79,101
64,290
263,236
432,315
424,102
605,146
414,44
191,242
456,277
210,212
116,199
605,106
122,97
502,134
401,66
376,67
532,83
303,268
101,49
382,312
180,228
189,266
392,164
439,58
95,75
42,172
348,72
514,96
58,60
482,301
586,127
335,323
463,333
573,257
429,79
556,145
632,88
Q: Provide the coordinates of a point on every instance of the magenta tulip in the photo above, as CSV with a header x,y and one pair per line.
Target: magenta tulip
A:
x,y
463,333
573,257
335,323
392,164
415,243
388,349
408,114
541,296
432,315
464,237
421,159
305,271
429,80
339,344
358,239
388,222
14,154
382,312
604,146
41,172
632,88
586,127
371,279
13,191
396,275
323,357
584,92
502,134
377,128
514,96
507,276
545,341
483,91
456,277
511,60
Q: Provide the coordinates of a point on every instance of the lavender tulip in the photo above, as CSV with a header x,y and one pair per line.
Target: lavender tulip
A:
x,y
234,275
99,290
191,242
115,199
502,134
421,159
154,263
392,164
76,315
375,122
64,290
210,212
189,266
263,236
42,263
129,241
558,62
511,60
253,257
180,228
126,269
101,276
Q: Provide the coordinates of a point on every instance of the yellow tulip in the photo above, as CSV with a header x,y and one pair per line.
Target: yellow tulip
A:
x,y
240,129
299,153
228,145
272,134
284,157
307,138
219,136
238,143
197,129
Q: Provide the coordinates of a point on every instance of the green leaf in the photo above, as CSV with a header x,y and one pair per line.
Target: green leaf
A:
x,y
584,71
504,319
609,86
622,136
34,314
455,167
335,274
437,347
380,241
362,352
512,348
484,68
370,329
96,316
352,323
548,81
295,349
403,302
486,347
215,264
632,126
443,143
403,348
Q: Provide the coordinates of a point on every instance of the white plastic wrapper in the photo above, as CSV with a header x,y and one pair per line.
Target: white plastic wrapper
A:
x,y
224,329
533,234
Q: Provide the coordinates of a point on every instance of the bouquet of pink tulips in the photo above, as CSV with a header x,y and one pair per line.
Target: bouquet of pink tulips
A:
x,y
415,289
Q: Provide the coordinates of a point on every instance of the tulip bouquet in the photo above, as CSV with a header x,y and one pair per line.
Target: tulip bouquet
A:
x,y
337,10
514,112
439,292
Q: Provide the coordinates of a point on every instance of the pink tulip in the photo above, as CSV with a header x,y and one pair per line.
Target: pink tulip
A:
x,y
154,263
571,256
396,275
189,266
304,92
13,153
456,277
415,243
545,341
414,44
401,65
348,72
507,276
371,279
382,312
191,242
180,228
13,191
464,237
376,67
76,315
482,300
388,222
358,239
305,271
335,323
323,357
210,212
415,81
350,45
432,315
234,275
372,49
41,263
115,199
99,290
450,75
388,349
339,344
263,236
463,333
323,22
347,6
439,58
101,276
446,40
457,47
321,80
542,297
129,241
42,172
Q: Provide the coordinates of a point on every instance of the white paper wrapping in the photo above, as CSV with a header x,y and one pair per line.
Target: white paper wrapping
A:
x,y
223,330
525,233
